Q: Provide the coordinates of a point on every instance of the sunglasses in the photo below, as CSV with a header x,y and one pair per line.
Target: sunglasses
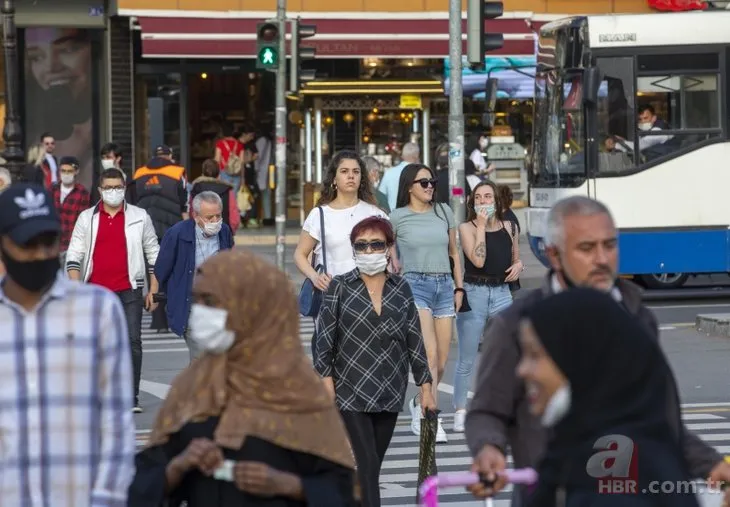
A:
x,y
425,182
375,246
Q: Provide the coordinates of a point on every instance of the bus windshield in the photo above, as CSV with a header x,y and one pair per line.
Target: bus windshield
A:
x,y
559,136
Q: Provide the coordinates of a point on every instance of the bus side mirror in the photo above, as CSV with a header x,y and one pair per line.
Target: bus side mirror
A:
x,y
591,85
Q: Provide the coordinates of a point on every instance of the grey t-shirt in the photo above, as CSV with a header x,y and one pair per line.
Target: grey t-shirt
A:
x,y
423,239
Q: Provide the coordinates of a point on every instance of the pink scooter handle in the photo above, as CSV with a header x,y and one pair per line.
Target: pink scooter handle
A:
x,y
429,488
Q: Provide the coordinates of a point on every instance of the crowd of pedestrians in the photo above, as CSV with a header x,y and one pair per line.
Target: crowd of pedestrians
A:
x,y
251,421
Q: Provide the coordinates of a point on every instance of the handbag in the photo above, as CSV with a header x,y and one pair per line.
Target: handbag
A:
x,y
310,297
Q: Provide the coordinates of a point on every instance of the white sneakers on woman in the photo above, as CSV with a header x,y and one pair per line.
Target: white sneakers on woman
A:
x,y
415,409
459,419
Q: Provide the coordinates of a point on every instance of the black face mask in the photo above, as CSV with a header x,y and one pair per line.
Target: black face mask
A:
x,y
33,276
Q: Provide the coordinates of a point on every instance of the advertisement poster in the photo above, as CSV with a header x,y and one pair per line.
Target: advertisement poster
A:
x,y
58,97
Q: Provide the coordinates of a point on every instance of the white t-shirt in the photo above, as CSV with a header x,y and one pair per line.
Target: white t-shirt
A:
x,y
338,224
65,191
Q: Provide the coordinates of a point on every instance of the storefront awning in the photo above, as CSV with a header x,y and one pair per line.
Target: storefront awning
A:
x,y
374,87
411,36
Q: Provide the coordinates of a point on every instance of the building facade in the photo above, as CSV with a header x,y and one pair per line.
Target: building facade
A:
x,y
149,72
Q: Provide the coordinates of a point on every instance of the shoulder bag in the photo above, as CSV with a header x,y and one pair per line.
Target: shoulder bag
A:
x,y
310,297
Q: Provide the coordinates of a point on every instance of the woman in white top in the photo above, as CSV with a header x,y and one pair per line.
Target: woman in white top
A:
x,y
475,150
346,199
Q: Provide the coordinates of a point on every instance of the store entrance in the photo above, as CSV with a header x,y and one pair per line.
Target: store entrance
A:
x,y
214,100
184,106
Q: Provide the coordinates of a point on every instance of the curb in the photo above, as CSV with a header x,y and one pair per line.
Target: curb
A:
x,y
714,324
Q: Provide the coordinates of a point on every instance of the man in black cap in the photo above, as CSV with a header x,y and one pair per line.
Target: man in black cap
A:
x,y
160,188
66,368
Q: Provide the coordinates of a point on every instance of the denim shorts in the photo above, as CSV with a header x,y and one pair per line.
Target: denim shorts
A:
x,y
434,292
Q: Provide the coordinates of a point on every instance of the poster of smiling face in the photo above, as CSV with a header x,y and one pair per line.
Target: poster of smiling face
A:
x,y
58,98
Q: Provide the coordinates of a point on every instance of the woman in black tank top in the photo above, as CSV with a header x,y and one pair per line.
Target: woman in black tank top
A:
x,y
491,261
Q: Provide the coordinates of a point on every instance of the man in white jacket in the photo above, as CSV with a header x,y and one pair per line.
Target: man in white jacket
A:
x,y
108,247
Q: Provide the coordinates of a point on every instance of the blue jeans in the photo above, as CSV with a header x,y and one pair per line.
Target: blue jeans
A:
x,y
485,302
434,292
233,180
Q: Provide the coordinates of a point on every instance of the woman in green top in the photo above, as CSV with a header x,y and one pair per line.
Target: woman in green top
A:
x,y
426,239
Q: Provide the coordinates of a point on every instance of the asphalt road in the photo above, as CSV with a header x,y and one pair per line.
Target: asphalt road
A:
x,y
700,363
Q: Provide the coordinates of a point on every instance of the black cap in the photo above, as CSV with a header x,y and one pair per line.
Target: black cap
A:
x,y
163,150
68,160
27,212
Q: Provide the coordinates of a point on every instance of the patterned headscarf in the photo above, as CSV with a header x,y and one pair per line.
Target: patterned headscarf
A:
x,y
263,386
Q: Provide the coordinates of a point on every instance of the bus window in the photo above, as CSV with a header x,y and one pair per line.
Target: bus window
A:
x,y
615,114
676,102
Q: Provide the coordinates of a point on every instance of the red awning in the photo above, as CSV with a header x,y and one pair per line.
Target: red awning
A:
x,y
187,37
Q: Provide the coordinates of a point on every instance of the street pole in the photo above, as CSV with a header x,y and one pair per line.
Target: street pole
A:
x,y
281,138
12,132
457,181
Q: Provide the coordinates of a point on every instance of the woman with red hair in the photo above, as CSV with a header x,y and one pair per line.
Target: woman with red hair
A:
x,y
368,335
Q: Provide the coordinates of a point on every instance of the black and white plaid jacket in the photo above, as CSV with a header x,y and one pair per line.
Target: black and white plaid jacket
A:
x,y
368,355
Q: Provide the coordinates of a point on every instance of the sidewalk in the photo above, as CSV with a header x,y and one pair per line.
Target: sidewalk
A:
x,y
263,242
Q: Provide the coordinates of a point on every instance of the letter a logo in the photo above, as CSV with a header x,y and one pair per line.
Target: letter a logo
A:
x,y
615,458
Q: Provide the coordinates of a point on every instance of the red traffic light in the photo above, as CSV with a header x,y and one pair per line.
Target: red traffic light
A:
x,y
268,32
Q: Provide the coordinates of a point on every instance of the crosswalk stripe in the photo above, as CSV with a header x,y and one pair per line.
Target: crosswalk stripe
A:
x,y
399,474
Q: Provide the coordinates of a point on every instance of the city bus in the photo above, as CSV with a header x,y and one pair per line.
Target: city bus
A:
x,y
633,110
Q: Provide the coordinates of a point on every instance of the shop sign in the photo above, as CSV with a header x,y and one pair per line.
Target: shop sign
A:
x,y
410,101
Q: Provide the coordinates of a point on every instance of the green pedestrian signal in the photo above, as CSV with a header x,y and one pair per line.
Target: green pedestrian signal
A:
x,y
267,42
268,57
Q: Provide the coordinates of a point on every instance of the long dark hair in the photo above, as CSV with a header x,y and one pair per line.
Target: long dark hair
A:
x,y
406,181
471,213
329,192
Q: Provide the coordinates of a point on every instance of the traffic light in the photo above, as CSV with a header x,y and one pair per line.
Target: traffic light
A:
x,y
299,53
267,45
478,40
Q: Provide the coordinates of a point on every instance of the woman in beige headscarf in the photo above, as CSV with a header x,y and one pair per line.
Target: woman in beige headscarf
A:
x,y
250,422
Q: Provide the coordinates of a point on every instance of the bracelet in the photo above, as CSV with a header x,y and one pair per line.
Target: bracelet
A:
x,y
459,289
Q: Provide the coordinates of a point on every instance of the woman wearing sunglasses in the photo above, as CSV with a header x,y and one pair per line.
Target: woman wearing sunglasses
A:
x,y
426,240
368,336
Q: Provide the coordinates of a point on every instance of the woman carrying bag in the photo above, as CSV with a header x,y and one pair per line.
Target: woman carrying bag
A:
x,y
346,199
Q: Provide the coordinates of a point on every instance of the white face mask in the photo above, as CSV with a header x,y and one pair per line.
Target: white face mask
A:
x,y
208,328
112,198
67,179
108,163
557,407
645,126
211,228
488,208
371,263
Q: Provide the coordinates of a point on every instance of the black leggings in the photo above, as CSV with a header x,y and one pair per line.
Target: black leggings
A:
x,y
370,434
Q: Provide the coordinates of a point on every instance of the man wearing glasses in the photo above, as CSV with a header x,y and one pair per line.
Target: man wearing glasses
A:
x,y
109,246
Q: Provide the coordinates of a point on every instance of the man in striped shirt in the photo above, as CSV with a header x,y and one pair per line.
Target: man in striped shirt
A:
x,y
66,427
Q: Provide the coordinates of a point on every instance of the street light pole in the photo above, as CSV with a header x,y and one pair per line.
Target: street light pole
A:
x,y
281,138
13,132
457,181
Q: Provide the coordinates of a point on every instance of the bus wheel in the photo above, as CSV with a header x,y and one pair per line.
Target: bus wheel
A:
x,y
663,280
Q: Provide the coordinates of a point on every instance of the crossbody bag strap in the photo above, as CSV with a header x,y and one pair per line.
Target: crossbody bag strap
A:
x,y
322,236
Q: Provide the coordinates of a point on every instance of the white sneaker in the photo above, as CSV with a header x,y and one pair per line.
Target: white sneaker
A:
x,y
415,416
459,418
441,434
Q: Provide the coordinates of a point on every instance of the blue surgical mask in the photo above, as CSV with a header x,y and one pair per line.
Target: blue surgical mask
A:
x,y
489,209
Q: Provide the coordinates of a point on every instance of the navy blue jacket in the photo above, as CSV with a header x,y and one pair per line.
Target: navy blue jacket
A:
x,y
175,269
